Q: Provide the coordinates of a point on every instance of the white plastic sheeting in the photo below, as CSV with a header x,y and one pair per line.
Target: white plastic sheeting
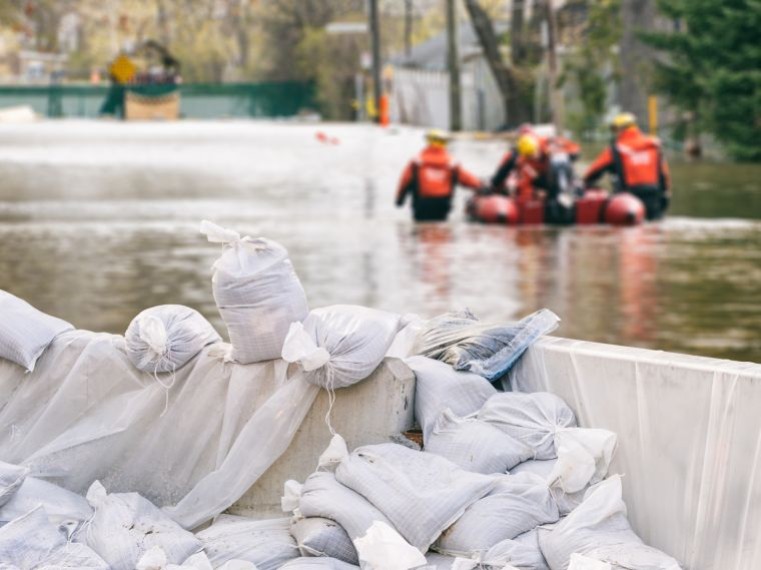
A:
x,y
382,548
11,478
25,332
689,441
85,413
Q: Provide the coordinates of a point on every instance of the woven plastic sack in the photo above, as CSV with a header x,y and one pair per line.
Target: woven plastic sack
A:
x,y
317,564
488,350
340,345
25,332
566,502
257,293
266,543
126,525
599,529
323,496
531,418
164,338
516,505
475,445
11,478
439,387
33,542
318,536
62,507
522,552
422,494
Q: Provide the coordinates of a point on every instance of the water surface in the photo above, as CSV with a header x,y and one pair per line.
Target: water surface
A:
x,y
100,220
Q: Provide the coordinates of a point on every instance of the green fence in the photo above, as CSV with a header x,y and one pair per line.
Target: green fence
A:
x,y
198,100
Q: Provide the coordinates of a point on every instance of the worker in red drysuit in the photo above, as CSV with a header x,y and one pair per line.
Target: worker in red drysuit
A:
x,y
431,178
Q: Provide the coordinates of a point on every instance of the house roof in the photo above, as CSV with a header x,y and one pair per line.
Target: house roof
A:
x,y
431,55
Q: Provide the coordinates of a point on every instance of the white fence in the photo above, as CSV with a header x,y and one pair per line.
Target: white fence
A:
x,y
421,97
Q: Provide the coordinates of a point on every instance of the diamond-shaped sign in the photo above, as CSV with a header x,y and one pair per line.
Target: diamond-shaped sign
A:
x,y
122,69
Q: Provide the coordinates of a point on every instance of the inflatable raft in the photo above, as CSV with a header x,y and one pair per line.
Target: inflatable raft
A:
x,y
593,207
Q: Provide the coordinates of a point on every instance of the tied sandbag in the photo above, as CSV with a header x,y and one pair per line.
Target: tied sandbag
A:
x,y
522,552
11,478
438,387
125,526
475,445
488,350
422,494
341,345
257,293
25,332
164,338
317,564
268,544
599,529
318,536
33,542
531,418
323,496
63,508
566,502
516,505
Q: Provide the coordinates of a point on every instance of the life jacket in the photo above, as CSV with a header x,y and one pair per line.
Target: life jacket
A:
x,y
637,161
435,174
527,173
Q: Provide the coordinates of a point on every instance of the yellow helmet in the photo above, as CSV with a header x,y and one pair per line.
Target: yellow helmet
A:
x,y
437,136
528,145
622,121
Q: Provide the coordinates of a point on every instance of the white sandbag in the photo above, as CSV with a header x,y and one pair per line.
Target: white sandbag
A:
x,y
340,345
318,536
237,565
403,346
475,445
323,496
257,292
382,548
32,542
436,561
584,456
566,502
164,338
316,563
421,493
438,387
599,529
266,543
521,552
517,504
25,332
11,478
126,525
62,507
531,418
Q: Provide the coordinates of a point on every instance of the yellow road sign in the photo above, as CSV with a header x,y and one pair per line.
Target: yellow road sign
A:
x,y
122,69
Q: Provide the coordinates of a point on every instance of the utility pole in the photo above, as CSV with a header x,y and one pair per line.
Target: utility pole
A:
x,y
555,96
375,38
453,53
408,28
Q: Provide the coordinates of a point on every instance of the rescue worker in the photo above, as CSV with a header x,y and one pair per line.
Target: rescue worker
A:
x,y
637,163
541,164
431,178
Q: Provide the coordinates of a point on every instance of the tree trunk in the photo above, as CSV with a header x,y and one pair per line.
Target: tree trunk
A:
x,y
516,109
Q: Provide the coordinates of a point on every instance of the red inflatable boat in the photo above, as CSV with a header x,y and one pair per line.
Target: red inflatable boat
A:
x,y
594,207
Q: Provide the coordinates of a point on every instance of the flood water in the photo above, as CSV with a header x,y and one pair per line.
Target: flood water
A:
x,y
100,220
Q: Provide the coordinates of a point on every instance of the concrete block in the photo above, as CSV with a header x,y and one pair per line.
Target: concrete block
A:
x,y
366,413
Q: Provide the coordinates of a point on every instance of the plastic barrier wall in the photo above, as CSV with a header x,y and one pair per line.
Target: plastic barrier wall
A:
x,y
197,100
689,448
